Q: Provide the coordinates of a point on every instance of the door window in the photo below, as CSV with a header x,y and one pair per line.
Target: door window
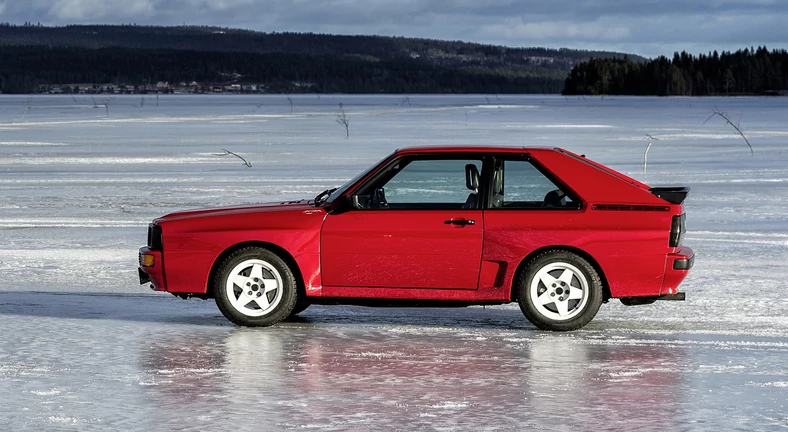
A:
x,y
427,184
519,184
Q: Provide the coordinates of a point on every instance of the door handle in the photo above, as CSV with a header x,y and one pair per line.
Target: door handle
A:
x,y
461,222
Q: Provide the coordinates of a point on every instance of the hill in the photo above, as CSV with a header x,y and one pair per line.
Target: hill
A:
x,y
31,56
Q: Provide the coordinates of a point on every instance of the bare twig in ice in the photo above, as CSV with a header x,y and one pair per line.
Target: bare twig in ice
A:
x,y
645,154
228,152
104,103
727,119
406,101
343,120
142,101
289,99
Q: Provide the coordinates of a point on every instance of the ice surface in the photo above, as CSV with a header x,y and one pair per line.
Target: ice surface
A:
x,y
85,347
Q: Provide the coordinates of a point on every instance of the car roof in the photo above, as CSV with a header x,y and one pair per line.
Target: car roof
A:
x,y
472,149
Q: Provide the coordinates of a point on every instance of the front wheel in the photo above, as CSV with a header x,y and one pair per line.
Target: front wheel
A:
x,y
255,287
559,291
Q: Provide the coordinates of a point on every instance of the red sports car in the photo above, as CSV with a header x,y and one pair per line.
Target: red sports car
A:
x,y
545,227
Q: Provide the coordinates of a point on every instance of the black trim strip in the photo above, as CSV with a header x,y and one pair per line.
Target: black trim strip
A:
x,y
628,207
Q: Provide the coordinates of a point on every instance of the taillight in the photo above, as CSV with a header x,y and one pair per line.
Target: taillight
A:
x,y
677,229
154,237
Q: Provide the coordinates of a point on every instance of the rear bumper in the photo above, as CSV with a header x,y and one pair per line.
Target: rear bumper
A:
x,y
151,272
676,269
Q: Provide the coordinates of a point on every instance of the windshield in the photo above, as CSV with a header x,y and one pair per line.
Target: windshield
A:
x,y
344,188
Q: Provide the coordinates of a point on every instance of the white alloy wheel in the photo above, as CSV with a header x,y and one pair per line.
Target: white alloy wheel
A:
x,y
559,291
254,287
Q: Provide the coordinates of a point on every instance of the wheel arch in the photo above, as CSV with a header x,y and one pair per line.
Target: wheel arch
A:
x,y
278,250
579,252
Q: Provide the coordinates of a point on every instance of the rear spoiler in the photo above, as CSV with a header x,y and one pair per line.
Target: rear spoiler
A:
x,y
671,194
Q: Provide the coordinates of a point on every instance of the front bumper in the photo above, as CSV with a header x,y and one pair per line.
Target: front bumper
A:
x,y
151,269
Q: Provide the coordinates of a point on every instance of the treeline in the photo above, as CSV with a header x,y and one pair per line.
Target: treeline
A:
x,y
24,68
744,72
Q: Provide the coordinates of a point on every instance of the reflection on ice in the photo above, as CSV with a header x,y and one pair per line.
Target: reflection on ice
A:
x,y
340,378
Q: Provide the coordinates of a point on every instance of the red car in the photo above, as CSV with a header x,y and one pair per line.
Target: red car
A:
x,y
547,228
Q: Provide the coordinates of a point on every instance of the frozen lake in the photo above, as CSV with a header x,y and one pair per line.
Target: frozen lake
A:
x,y
85,347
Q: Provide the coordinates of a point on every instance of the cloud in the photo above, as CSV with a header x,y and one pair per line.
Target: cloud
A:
x,y
648,27
81,10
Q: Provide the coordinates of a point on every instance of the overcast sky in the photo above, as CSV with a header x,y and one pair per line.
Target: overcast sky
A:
x,y
646,27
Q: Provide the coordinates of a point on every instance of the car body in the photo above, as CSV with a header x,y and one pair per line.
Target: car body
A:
x,y
548,228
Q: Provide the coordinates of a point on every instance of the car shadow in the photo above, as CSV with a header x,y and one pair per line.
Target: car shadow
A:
x,y
163,308
111,306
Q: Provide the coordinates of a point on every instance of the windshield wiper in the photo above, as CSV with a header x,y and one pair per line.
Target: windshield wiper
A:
x,y
322,196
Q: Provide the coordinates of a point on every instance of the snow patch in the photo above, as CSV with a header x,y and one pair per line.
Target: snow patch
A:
x,y
53,392
778,384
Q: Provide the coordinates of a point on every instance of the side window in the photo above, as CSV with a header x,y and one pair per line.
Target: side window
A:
x,y
427,184
519,184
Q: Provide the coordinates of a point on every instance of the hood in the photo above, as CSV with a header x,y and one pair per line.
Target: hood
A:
x,y
239,210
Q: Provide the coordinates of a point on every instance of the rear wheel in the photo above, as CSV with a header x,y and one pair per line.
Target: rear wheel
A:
x,y
255,287
559,291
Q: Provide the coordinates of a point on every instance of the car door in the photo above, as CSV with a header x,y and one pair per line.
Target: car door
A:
x,y
418,225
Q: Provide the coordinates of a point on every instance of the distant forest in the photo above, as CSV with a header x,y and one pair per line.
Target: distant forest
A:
x,y
744,72
22,69
34,55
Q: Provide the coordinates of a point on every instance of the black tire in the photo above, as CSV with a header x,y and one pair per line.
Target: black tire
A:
x,y
254,287
559,291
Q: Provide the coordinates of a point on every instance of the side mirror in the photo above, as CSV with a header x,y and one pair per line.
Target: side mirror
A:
x,y
472,177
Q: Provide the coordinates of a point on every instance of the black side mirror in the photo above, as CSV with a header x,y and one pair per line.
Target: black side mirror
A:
x,y
472,177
